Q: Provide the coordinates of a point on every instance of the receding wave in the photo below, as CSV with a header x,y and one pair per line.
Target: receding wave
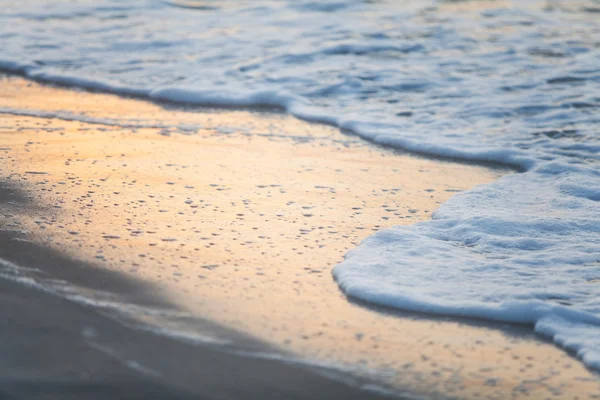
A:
x,y
490,84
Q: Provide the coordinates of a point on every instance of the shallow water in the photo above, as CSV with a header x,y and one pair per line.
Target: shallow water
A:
x,y
478,80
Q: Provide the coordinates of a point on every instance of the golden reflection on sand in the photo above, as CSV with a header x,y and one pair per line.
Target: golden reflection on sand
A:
x,y
240,217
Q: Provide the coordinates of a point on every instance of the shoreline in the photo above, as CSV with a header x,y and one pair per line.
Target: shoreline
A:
x,y
288,139
102,88
191,107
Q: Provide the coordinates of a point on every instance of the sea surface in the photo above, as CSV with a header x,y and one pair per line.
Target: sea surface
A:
x,y
515,83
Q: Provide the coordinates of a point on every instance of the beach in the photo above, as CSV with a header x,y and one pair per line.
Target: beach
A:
x,y
57,348
236,218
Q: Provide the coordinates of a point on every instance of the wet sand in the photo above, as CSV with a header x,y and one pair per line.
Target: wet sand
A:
x,y
57,348
239,216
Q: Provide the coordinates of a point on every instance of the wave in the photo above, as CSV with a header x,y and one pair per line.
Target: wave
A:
x,y
524,249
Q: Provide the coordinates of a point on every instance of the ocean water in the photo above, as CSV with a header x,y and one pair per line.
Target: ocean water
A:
x,y
516,83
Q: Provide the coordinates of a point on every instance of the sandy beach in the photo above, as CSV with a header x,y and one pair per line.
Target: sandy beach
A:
x,y
58,348
236,218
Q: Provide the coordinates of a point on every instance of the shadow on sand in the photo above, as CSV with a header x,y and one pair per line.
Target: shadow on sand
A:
x,y
55,348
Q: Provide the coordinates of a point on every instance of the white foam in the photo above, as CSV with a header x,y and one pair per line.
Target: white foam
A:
x,y
70,116
518,250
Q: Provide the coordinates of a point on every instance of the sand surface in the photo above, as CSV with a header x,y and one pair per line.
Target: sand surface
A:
x,y
66,349
239,216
